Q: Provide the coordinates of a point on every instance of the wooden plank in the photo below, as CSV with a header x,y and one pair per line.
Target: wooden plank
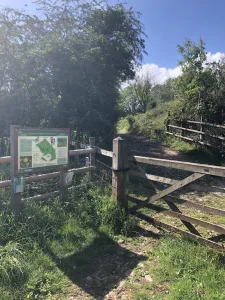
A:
x,y
140,169
191,186
53,194
203,208
169,190
208,124
187,166
190,139
82,151
104,152
5,160
198,132
120,177
37,178
5,183
186,234
186,129
153,177
188,225
180,216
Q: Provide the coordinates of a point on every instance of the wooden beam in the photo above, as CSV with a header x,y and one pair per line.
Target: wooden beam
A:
x,y
202,208
5,160
208,124
104,152
169,190
197,131
153,177
179,216
188,225
37,178
187,166
191,186
186,234
190,139
5,183
82,151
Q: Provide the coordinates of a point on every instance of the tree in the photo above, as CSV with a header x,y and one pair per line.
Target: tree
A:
x,y
64,69
164,92
190,83
202,84
137,96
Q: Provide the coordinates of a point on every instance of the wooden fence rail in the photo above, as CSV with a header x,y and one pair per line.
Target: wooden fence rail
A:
x,y
203,135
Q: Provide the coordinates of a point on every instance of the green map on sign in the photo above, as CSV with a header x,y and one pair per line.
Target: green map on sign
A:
x,y
47,149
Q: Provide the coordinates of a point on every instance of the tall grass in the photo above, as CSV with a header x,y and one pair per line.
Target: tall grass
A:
x,y
43,231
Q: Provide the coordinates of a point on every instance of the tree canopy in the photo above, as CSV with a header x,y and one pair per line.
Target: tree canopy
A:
x,y
63,67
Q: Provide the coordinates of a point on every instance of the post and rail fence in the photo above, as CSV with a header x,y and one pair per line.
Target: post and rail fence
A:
x,y
128,178
202,133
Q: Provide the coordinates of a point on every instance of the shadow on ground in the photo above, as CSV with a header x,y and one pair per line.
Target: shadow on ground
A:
x,y
99,267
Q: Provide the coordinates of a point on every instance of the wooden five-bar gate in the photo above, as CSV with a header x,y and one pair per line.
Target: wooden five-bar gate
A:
x,y
124,168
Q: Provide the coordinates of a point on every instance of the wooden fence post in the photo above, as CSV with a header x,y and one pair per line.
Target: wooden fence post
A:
x,y
63,186
15,204
120,172
92,155
76,158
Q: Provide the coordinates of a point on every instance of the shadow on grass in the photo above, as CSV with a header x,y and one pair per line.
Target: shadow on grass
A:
x,y
98,268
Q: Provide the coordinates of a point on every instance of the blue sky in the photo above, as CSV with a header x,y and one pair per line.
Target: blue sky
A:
x,y
168,22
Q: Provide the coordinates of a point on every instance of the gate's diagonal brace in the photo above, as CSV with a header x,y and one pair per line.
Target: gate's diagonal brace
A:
x,y
167,191
140,169
189,226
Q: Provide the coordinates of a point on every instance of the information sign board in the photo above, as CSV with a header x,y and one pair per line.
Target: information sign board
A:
x,y
40,149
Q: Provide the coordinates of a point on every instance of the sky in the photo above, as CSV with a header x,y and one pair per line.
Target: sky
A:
x,y
167,23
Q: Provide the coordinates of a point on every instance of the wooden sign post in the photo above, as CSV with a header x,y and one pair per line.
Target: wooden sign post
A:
x,y
15,205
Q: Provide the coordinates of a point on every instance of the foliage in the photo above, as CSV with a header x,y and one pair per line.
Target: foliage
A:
x,y
198,276
164,92
136,98
151,124
63,67
201,85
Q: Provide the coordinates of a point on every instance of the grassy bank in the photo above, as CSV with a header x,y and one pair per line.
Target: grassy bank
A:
x,y
151,125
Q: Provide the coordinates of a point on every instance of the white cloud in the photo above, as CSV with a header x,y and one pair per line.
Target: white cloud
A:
x,y
215,57
160,74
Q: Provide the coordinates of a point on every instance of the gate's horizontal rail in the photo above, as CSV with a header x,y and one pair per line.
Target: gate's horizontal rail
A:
x,y
203,208
192,186
104,152
153,177
180,216
187,166
186,234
